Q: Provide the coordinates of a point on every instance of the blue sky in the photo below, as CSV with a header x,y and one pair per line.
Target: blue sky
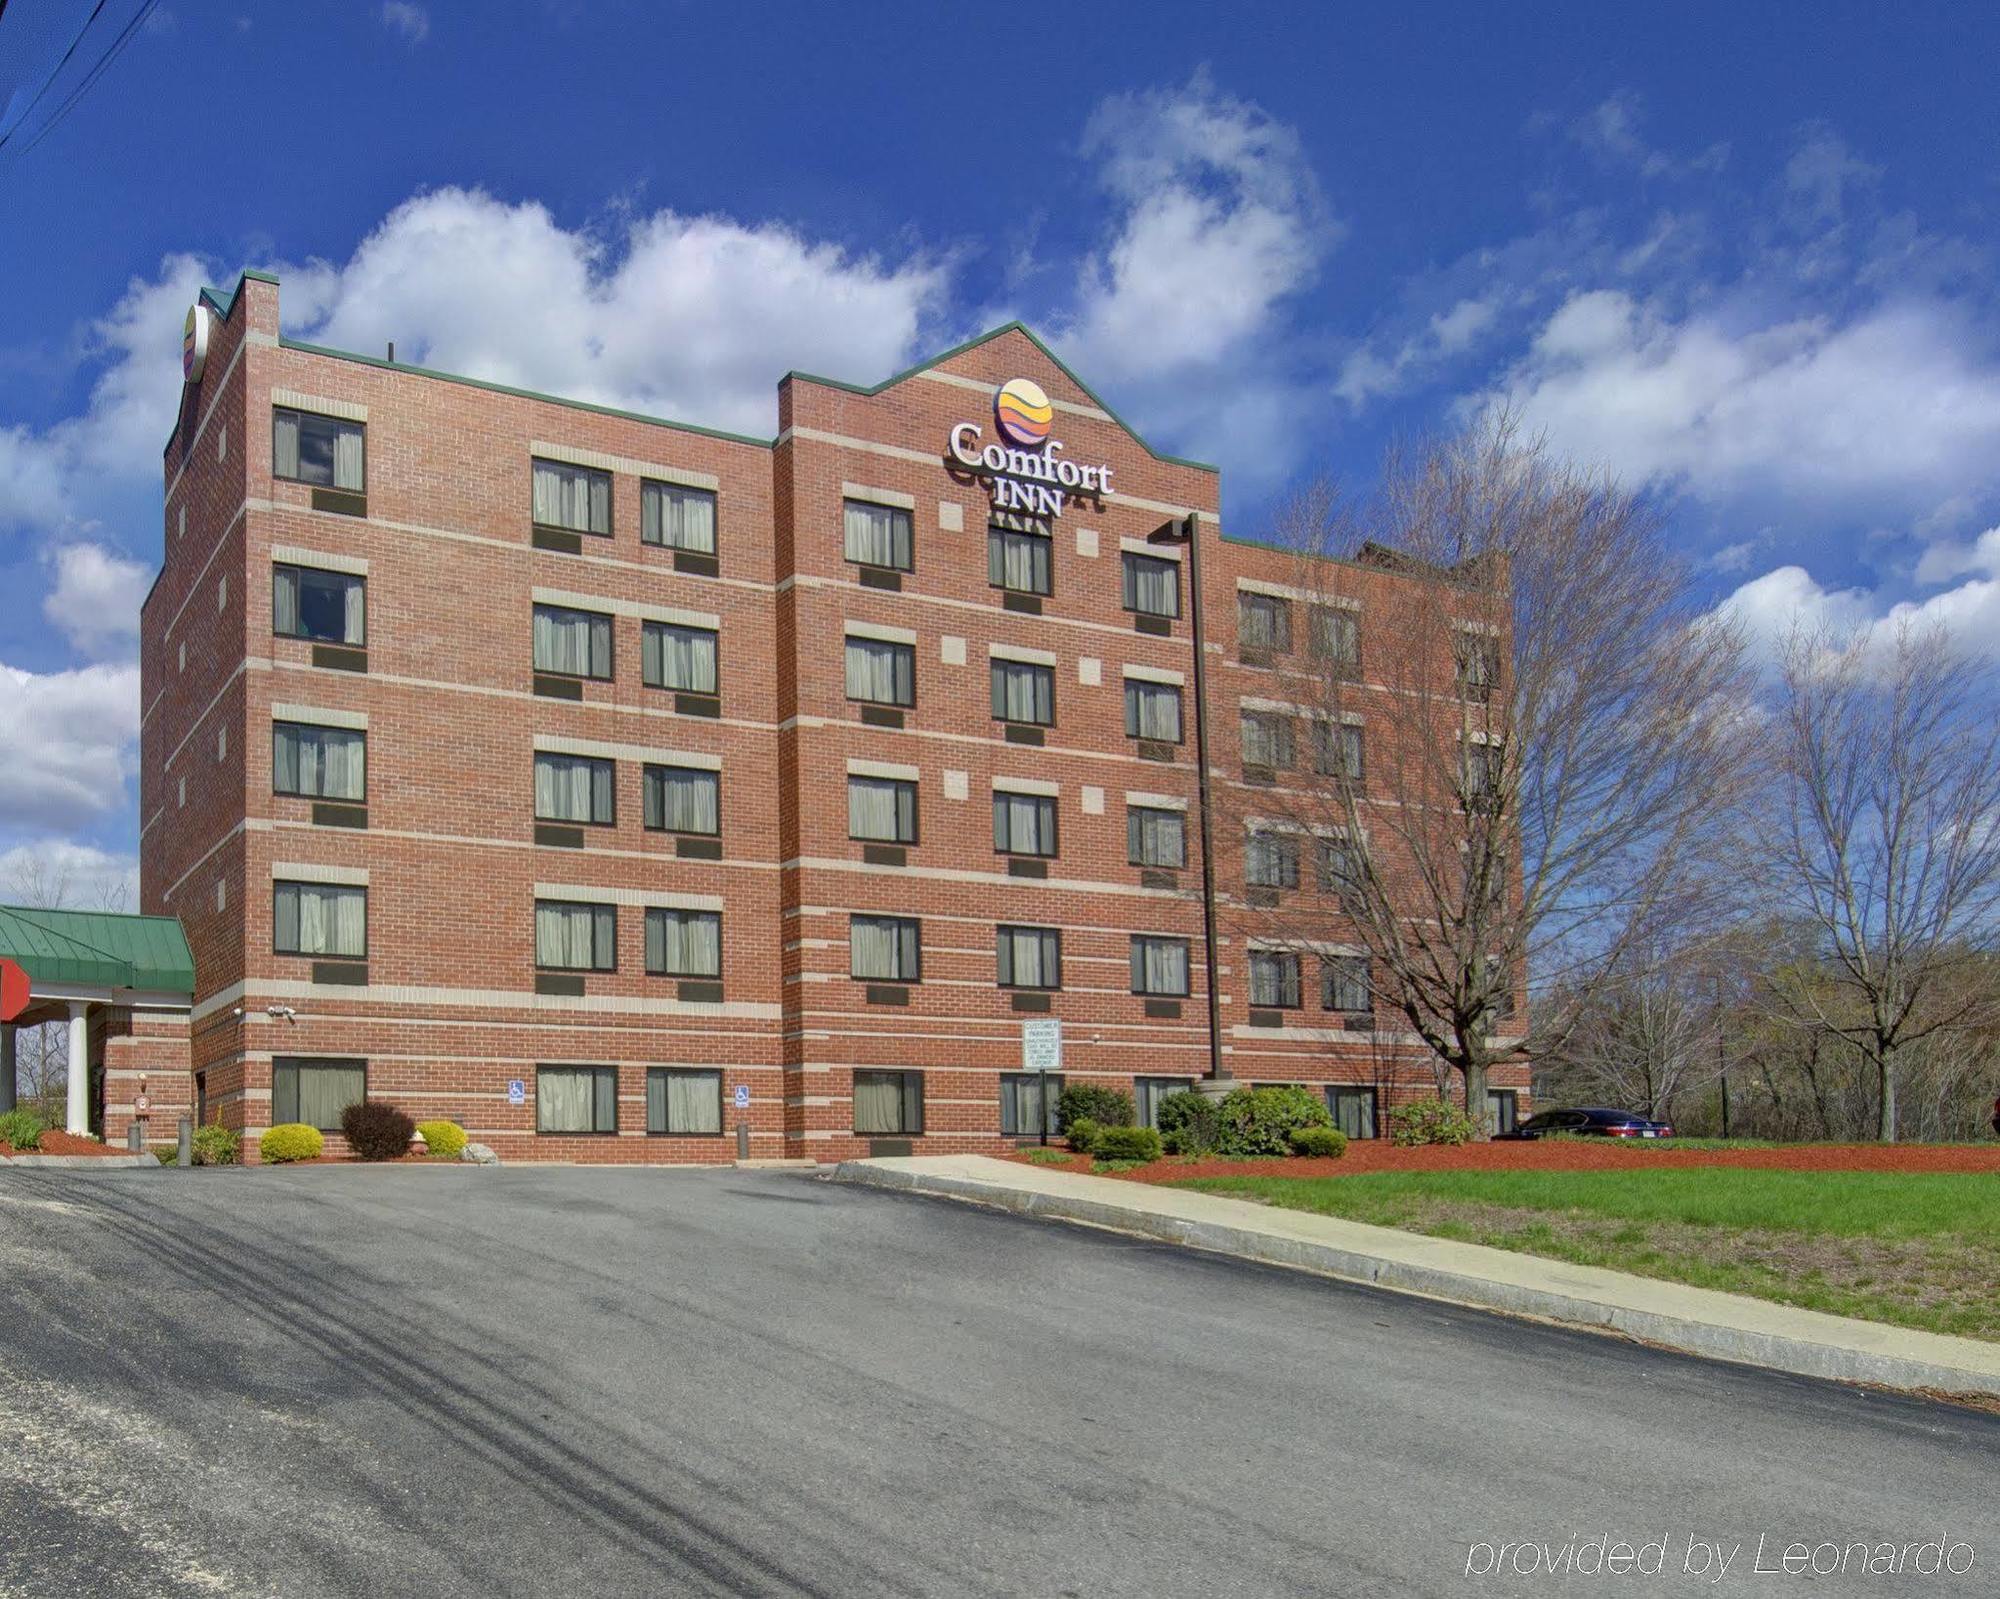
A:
x,y
1741,255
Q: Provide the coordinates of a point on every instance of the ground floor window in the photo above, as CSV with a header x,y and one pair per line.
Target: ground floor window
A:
x,y
576,1099
315,1092
1503,1109
682,1101
889,1102
1353,1110
1028,1104
1147,1092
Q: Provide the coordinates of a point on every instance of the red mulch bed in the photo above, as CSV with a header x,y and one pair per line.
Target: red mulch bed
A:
x,y
57,1142
1377,1155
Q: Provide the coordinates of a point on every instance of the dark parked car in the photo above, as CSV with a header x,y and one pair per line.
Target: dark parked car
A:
x,y
1592,1121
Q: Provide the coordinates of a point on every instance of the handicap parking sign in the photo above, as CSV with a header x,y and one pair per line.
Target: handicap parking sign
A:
x,y
517,1092
742,1096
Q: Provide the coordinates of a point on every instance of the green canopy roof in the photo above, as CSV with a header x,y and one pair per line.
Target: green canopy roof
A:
x,y
98,949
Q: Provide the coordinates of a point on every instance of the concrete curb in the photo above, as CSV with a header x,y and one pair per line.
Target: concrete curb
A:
x,y
1696,1321
82,1162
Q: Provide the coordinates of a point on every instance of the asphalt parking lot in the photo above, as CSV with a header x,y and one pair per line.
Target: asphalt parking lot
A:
x,y
345,1381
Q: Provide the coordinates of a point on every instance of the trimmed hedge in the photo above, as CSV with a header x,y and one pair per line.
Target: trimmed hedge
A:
x,y
1261,1121
446,1140
1190,1123
1429,1121
377,1131
1083,1133
1327,1143
22,1129
290,1141
215,1145
1108,1107
1139,1144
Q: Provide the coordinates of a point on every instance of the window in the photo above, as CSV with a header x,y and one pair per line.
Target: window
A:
x,y
889,1103
884,949
575,788
315,1092
882,810
1030,957
319,762
1341,869
1353,1110
1337,751
1274,979
576,499
317,449
683,799
1024,824
1152,586
1267,740
1500,979
1478,664
676,657
1344,984
1271,860
1147,1092
1017,561
1024,692
572,643
576,1099
683,943
880,672
679,1101
320,919
222,742
677,518
1028,1104
1337,640
1263,623
326,607
1152,710
1155,837
1159,966
878,535
1503,1110
576,938
1483,765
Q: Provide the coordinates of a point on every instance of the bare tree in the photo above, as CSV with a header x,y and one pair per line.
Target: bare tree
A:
x,y
1887,840
1527,769
52,881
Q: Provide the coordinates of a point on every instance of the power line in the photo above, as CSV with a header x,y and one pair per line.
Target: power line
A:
x,y
96,70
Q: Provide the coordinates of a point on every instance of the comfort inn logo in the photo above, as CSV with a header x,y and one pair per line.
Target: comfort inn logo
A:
x,y
1027,472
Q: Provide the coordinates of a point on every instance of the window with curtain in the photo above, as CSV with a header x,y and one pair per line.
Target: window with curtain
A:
x,y
1338,749
328,763
1029,957
881,672
1267,740
572,643
682,658
1344,984
315,1092
1018,562
1353,1110
683,943
576,499
1152,586
1337,640
677,518
1263,622
884,949
1152,710
576,1099
878,535
1024,692
1500,982
1155,837
1274,979
1028,1104
576,938
575,788
1482,769
882,810
889,1103
1270,860
1147,1092
679,1100
321,450
325,607
1478,664
1340,867
683,799
320,919
1160,966
1024,824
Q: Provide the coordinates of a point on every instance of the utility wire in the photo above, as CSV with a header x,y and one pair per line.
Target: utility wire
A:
x,y
90,78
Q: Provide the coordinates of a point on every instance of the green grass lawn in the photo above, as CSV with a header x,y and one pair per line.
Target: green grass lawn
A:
x,y
1918,1250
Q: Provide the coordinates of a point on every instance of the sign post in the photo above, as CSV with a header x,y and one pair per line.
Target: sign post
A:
x,y
1041,1052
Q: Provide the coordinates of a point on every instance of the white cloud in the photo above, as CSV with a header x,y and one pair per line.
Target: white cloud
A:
x,y
1771,606
1450,333
80,876
96,599
1942,562
413,23
70,739
1610,132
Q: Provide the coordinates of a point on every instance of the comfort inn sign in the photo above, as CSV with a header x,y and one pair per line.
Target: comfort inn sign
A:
x,y
1025,473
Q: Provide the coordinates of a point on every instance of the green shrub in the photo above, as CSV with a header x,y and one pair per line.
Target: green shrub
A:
x,y
1139,1144
1328,1143
1190,1123
290,1141
1082,1134
1108,1107
215,1145
22,1129
1049,1157
167,1154
1106,1167
377,1131
1261,1121
1429,1121
446,1140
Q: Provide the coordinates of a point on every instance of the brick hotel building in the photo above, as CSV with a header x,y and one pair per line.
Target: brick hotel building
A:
x,y
601,782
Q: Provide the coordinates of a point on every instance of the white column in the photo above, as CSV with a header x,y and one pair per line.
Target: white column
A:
x,y
6,1066
79,1065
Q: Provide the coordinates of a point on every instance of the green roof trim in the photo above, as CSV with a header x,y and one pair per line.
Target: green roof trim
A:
x,y
1030,335
98,949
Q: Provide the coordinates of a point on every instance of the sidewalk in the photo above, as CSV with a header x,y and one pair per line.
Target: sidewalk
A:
x,y
1698,1321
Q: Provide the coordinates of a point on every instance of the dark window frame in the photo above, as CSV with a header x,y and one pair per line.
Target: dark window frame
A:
x,y
999,664
296,1063
334,422
1286,739
1187,966
1054,812
572,1132
1328,966
1010,1110
650,486
997,535
1275,608
1132,812
592,905
1288,961
916,922
589,473
916,810
847,640
649,626
647,772
908,517
999,941
610,651
367,933
904,1100
1128,590
645,960
1135,689
1283,848
278,724
1368,1094
319,572
721,1106
590,760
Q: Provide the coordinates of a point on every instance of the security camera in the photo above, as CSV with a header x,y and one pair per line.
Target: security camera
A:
x,y
238,1011
285,1011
